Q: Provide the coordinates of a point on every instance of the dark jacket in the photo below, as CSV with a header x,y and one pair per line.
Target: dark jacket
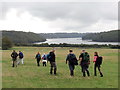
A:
x,y
71,58
14,55
83,61
38,56
52,54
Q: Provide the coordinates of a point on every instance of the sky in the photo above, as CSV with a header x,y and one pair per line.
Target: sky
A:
x,y
62,16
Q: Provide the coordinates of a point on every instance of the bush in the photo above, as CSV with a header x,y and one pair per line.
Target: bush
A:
x,y
6,43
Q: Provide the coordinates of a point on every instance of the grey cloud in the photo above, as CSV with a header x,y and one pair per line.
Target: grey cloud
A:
x,y
86,13
80,11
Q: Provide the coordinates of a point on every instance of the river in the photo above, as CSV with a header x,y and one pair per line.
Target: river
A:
x,y
74,41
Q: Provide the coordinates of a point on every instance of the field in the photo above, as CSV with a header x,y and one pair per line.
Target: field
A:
x,y
31,76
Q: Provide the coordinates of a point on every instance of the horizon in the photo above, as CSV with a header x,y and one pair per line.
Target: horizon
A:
x,y
58,32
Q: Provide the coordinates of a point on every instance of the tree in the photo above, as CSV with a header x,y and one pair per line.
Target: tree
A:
x,y
6,43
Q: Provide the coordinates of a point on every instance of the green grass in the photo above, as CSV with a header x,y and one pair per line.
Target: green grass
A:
x,y
31,76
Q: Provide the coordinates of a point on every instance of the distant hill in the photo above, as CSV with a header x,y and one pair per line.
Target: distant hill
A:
x,y
62,35
110,36
19,37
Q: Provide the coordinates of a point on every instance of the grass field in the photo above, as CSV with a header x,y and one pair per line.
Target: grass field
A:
x,y
31,76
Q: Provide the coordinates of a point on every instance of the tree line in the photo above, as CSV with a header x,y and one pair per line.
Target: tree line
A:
x,y
62,35
110,36
73,45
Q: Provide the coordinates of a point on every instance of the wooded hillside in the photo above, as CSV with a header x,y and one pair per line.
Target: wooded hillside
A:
x,y
110,36
20,37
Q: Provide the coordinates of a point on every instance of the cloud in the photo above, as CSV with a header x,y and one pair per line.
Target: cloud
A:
x,y
64,16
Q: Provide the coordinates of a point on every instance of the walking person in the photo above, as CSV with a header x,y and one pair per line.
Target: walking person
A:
x,y
20,58
97,64
71,59
51,57
44,59
38,58
14,58
84,62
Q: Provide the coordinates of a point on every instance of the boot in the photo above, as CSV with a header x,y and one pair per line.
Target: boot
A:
x,y
101,75
71,73
88,73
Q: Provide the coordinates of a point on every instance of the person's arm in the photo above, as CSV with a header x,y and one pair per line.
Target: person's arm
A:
x,y
23,54
40,57
75,57
11,54
67,59
36,57
80,57
89,59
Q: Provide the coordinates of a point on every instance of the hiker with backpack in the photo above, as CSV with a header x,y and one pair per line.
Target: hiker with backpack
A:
x,y
38,58
20,58
97,63
14,58
84,62
44,59
51,59
72,61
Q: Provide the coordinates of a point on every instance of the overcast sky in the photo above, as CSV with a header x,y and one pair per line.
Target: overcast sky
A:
x,y
50,17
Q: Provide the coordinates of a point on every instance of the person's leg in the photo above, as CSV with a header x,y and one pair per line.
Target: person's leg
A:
x,y
13,63
55,67
45,64
100,71
86,69
18,61
73,66
51,69
38,62
95,73
22,61
83,71
81,68
71,69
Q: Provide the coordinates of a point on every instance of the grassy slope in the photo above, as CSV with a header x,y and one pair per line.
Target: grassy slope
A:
x,y
31,76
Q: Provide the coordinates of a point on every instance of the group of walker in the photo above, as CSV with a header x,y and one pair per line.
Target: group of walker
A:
x,y
84,62
16,61
71,59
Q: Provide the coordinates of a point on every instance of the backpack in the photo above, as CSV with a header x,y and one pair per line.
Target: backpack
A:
x,y
99,60
49,58
72,59
86,57
21,55
44,57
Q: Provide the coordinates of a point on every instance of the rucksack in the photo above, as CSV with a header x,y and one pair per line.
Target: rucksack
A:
x,y
44,57
49,58
99,60
72,59
86,57
21,55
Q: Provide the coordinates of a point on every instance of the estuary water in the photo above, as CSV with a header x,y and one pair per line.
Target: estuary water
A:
x,y
74,41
